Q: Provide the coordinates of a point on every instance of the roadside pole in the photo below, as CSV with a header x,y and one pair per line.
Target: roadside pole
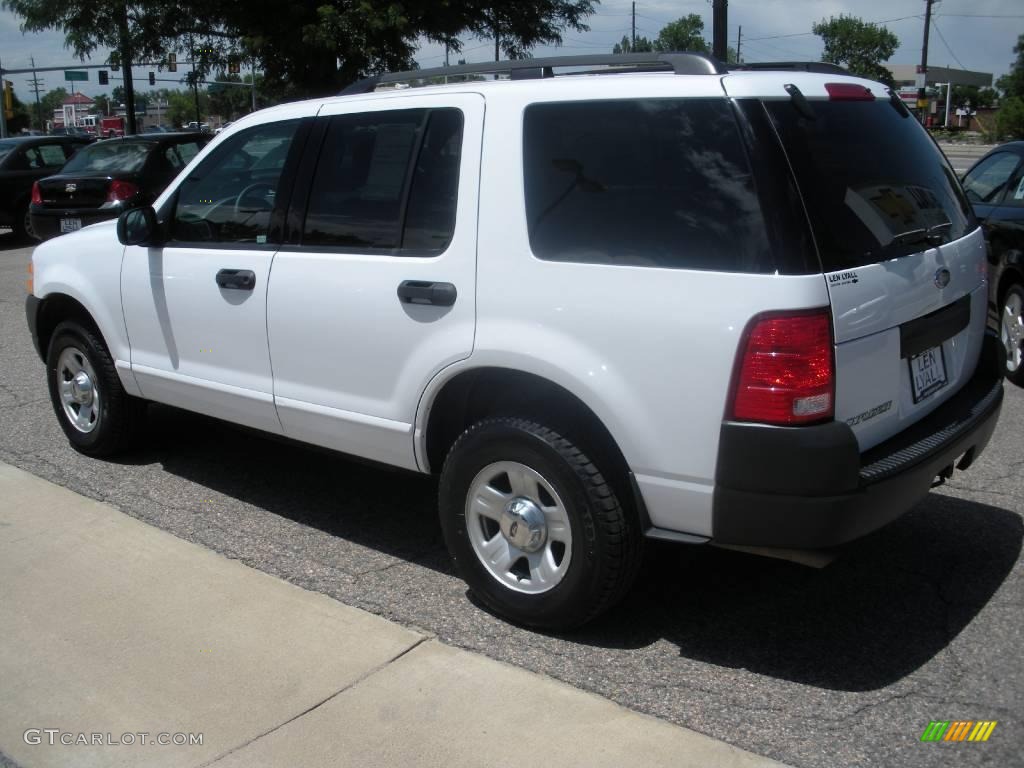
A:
x,y
3,109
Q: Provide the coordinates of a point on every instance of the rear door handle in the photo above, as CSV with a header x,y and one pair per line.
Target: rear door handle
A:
x,y
237,279
424,292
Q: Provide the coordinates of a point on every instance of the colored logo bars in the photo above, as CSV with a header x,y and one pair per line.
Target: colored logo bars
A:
x,y
958,730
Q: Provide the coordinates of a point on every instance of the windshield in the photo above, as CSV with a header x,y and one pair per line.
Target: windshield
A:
x,y
113,157
875,186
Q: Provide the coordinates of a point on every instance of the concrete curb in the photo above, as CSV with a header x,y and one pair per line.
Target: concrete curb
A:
x,y
112,627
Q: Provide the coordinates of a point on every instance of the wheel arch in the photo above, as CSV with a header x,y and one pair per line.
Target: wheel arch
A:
x,y
487,391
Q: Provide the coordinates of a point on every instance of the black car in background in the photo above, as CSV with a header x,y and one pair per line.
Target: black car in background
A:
x,y
108,177
995,187
23,161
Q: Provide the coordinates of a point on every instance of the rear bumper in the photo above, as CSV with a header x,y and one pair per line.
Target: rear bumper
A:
x,y
809,487
46,221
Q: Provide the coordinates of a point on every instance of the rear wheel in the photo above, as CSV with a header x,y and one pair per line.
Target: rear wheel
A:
x,y
23,229
1011,333
534,527
97,415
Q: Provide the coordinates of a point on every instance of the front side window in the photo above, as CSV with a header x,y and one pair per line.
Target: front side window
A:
x,y
642,182
987,182
230,196
386,180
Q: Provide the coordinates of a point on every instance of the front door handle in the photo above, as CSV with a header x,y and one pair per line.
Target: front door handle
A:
x,y
424,292
237,279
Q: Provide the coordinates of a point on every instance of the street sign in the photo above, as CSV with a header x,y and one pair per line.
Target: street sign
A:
x,y
76,74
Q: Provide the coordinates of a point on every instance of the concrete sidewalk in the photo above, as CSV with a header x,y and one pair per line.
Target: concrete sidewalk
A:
x,y
111,629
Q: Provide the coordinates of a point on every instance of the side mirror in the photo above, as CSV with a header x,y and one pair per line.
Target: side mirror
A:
x,y
138,226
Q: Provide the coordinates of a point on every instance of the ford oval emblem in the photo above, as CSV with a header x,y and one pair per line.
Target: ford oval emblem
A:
x,y
942,278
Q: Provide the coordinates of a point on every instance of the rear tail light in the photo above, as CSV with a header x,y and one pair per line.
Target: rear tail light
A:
x,y
37,194
848,92
121,190
786,370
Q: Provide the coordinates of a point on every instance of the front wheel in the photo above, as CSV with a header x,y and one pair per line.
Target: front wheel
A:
x,y
1011,333
97,415
534,527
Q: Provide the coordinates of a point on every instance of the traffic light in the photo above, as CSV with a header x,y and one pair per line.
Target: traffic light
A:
x,y
104,78
115,60
234,66
172,62
152,78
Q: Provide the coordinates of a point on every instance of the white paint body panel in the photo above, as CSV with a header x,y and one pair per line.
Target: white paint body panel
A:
x,y
86,265
867,314
350,359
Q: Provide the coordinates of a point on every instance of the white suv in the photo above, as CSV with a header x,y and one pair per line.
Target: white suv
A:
x,y
682,302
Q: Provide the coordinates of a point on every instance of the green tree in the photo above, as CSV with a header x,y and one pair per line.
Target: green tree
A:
x,y
1010,119
231,101
103,104
642,45
181,108
973,96
684,34
857,45
51,101
1012,83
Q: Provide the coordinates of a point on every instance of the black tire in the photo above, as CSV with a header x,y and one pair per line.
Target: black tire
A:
x,y
606,544
23,224
117,415
1013,290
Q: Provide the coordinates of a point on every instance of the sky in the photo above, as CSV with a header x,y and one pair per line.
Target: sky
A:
x,y
966,34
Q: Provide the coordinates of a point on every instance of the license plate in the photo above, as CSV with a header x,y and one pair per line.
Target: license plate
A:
x,y
70,225
927,373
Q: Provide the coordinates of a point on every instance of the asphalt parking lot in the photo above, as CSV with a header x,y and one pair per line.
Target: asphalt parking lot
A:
x,y
840,666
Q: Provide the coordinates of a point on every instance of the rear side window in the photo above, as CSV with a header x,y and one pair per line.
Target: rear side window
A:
x,y
642,182
110,157
874,184
387,180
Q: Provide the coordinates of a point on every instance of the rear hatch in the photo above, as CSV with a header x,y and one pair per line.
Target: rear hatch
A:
x,y
74,191
901,253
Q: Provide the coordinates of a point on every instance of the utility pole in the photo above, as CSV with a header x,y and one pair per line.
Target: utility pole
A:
x,y
922,71
719,20
633,38
126,62
3,110
254,85
37,86
195,81
739,46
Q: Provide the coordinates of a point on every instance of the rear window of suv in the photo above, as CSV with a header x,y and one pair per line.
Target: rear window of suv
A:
x,y
874,184
643,182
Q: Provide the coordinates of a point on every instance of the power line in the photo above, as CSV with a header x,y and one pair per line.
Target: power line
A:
x,y
803,34
983,15
942,37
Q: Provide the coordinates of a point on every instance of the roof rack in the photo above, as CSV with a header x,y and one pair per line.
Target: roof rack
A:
x,y
798,66
525,69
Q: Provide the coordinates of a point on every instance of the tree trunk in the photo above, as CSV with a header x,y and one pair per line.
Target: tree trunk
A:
x,y
131,128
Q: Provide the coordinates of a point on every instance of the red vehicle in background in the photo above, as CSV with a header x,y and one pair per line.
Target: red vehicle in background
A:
x,y
111,127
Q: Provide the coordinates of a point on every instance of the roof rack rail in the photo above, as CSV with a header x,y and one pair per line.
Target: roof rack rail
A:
x,y
799,66
522,69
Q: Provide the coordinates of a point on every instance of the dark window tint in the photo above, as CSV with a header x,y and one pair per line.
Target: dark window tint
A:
x,y
381,169
110,157
230,196
987,181
874,183
661,183
1015,189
